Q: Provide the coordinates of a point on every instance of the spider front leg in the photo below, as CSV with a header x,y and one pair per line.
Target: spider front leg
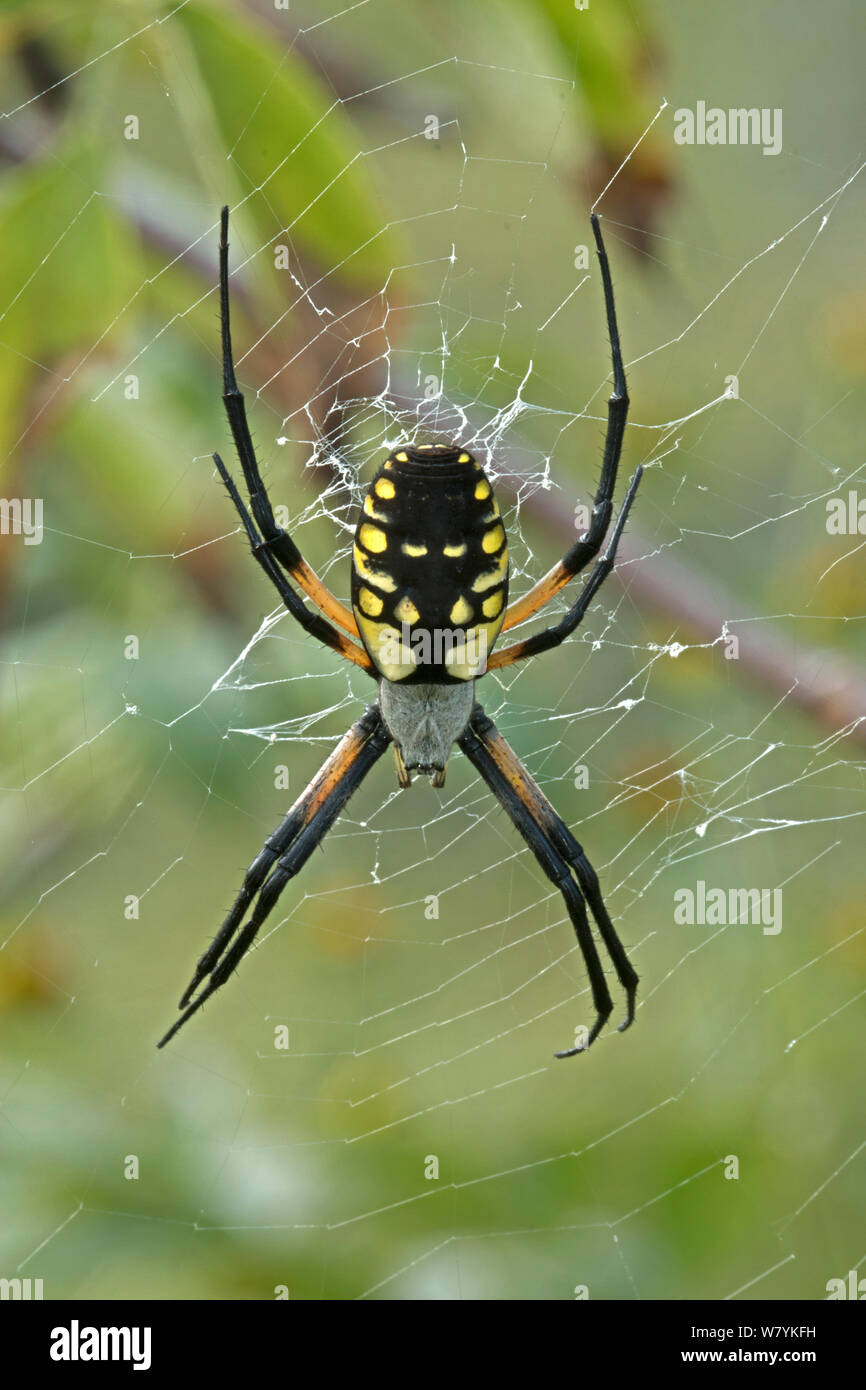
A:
x,y
587,546
284,855
553,636
278,542
561,857
313,623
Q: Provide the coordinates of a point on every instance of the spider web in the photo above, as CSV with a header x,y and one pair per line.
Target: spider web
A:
x,y
415,1137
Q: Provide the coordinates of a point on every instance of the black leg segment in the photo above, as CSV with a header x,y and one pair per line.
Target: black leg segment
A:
x,y
284,855
562,859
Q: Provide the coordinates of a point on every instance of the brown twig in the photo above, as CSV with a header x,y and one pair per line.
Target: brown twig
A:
x,y
828,687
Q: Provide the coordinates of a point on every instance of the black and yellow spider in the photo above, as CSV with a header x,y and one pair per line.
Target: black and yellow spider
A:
x,y
429,594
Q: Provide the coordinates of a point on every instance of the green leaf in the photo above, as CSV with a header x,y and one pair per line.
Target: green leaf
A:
x,y
65,272
609,45
288,137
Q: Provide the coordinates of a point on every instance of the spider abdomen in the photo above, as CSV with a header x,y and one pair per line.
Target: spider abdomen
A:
x,y
430,567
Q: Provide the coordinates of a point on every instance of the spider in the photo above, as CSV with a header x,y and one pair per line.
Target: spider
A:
x,y
429,600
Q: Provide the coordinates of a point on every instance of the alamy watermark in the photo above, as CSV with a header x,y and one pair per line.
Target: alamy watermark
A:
x,y
433,646
77,1343
853,1287
715,907
846,516
22,516
739,125
20,1289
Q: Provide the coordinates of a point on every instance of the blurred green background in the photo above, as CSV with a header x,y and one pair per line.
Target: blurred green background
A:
x,y
423,284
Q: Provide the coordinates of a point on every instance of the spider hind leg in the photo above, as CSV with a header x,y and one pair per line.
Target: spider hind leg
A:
x,y
284,854
563,861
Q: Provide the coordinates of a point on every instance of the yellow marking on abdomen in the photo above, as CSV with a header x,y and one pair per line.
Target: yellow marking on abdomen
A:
x,y
383,487
406,611
492,606
461,612
482,490
370,603
491,541
467,662
391,657
381,580
491,577
375,540
370,510
452,551
402,458
464,458
413,550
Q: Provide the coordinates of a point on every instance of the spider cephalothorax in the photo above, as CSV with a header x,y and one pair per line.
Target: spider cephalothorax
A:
x,y
429,600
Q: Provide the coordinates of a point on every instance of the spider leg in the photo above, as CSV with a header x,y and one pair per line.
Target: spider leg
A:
x,y
552,636
587,546
278,541
284,854
558,853
313,623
